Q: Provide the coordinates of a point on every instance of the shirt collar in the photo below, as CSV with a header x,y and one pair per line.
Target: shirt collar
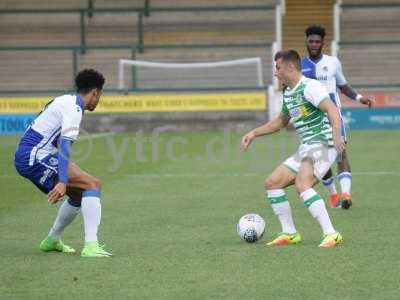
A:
x,y
315,61
80,103
297,85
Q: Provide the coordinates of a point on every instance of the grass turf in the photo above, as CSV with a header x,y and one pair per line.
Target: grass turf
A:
x,y
169,217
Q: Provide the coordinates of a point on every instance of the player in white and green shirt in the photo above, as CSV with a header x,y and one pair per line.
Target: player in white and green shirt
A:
x,y
301,105
307,106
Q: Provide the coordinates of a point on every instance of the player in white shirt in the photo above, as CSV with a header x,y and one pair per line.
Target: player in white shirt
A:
x,y
328,70
42,157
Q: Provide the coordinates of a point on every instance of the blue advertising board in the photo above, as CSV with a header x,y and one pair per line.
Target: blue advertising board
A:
x,y
374,118
354,118
11,124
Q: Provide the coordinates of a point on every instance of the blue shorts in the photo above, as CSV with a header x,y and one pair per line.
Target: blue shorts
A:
x,y
43,173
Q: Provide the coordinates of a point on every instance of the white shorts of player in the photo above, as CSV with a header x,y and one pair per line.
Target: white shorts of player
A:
x,y
321,155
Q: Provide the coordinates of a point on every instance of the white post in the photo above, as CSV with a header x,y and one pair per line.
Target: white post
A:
x,y
260,73
274,102
278,26
275,81
121,74
283,7
336,28
334,48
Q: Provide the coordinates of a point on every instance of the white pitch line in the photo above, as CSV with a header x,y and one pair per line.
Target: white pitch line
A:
x,y
95,136
192,175
378,173
222,175
82,138
210,175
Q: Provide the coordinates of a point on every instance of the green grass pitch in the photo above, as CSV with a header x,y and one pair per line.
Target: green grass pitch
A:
x,y
169,217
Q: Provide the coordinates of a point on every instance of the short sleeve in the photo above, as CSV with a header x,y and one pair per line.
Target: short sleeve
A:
x,y
315,92
71,120
340,79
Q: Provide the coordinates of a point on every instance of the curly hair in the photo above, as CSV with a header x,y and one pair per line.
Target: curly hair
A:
x,y
315,29
89,79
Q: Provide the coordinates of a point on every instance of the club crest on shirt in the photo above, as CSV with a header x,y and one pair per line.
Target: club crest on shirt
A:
x,y
300,111
295,112
53,161
325,68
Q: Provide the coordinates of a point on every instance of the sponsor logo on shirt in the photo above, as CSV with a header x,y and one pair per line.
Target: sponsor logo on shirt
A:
x,y
322,78
45,175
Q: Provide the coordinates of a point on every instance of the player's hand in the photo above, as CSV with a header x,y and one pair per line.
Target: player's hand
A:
x,y
247,139
367,101
338,144
57,193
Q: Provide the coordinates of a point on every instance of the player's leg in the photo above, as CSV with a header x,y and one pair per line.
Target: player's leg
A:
x,y
275,184
43,174
329,182
305,181
67,212
87,188
314,164
344,175
65,215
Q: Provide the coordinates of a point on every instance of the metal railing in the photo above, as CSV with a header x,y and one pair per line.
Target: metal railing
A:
x,y
83,13
76,51
139,46
338,10
370,5
337,42
145,11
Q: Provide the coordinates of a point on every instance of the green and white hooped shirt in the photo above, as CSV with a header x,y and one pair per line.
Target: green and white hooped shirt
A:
x,y
300,104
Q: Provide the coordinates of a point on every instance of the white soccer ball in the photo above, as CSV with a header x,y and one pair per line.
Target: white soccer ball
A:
x,y
251,228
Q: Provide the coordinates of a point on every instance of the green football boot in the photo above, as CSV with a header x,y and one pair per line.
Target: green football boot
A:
x,y
50,244
93,249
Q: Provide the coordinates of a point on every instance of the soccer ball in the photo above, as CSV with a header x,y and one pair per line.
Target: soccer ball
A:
x,y
251,228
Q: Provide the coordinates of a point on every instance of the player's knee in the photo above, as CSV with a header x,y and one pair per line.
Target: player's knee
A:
x,y
271,183
302,185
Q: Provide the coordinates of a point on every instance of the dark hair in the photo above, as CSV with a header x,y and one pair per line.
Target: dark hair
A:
x,y
315,29
87,80
289,56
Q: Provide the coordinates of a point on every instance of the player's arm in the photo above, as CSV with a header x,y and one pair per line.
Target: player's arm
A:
x,y
331,110
63,162
346,89
71,119
317,95
273,126
352,94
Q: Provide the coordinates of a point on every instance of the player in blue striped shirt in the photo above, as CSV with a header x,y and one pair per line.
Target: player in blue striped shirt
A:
x,y
328,70
43,157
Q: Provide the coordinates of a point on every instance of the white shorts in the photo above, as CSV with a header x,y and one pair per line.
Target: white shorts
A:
x,y
322,156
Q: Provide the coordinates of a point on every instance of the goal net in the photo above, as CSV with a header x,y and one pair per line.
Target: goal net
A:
x,y
237,74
